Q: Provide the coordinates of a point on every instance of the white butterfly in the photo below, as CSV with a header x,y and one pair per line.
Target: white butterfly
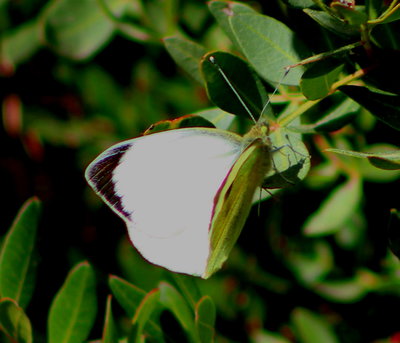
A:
x,y
184,194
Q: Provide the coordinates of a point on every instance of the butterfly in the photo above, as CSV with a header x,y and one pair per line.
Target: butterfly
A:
x,y
185,193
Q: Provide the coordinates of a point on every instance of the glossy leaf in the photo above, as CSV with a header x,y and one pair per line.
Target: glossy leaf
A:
x,y
78,29
335,210
317,80
14,323
247,86
385,107
388,160
73,310
311,328
110,332
186,54
270,46
17,259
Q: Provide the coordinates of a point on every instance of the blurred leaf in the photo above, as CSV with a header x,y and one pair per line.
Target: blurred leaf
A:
x,y
348,290
248,93
20,44
17,259
78,29
73,310
388,160
317,80
264,336
332,23
300,3
335,210
394,232
311,328
270,46
187,55
14,322
205,319
384,107
312,265
110,333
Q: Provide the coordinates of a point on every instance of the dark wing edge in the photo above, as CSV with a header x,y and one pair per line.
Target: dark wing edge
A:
x,y
99,175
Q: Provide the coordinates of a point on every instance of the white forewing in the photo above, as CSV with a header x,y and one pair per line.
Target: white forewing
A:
x,y
163,185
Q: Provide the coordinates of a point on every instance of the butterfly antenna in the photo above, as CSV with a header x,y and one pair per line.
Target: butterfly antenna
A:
x,y
287,69
214,62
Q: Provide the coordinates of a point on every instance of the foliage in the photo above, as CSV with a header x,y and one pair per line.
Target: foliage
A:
x,y
317,263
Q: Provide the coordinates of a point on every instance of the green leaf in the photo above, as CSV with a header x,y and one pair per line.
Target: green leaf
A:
x,y
334,119
14,322
313,263
335,210
385,107
73,310
187,285
263,336
78,29
311,328
223,10
248,91
186,54
291,160
332,23
132,299
205,315
110,332
270,46
172,300
394,232
20,44
349,290
388,160
180,122
128,295
221,119
17,259
317,80
143,320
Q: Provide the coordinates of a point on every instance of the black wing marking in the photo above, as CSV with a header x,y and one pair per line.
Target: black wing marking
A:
x,y
100,176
